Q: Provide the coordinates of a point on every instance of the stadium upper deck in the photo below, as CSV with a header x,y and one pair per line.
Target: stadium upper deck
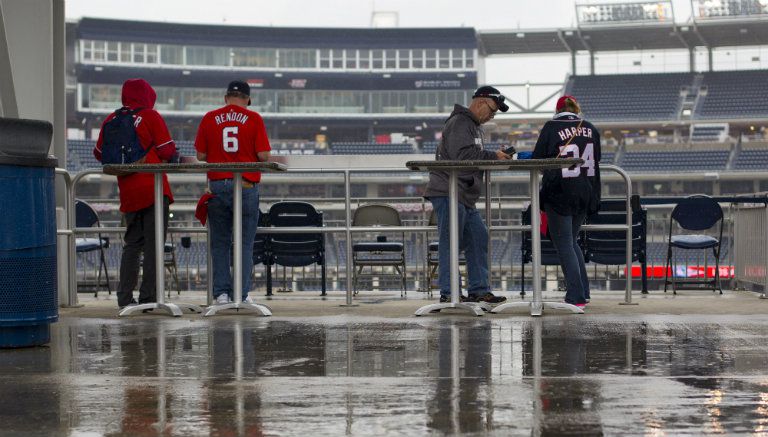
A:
x,y
308,80
356,84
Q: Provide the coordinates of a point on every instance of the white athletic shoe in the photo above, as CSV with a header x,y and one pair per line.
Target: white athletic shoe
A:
x,y
222,299
248,299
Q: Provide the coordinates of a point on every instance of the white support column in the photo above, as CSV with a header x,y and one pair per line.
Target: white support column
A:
x,y
8,107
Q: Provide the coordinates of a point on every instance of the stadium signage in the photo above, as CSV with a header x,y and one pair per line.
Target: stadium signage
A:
x,y
297,83
256,83
591,14
437,84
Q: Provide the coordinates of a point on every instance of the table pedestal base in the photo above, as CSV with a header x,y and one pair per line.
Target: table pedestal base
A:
x,y
538,308
173,309
261,309
477,310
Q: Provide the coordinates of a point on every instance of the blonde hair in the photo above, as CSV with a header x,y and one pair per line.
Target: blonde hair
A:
x,y
570,105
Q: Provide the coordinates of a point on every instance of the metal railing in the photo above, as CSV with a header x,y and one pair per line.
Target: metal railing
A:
x,y
750,244
346,227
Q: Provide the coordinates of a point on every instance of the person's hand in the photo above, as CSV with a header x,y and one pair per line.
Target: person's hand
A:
x,y
501,155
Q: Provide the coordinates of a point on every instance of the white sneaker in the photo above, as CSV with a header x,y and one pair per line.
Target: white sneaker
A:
x,y
222,299
248,299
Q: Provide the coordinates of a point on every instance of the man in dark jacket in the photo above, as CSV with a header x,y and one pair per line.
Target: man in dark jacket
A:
x,y
462,139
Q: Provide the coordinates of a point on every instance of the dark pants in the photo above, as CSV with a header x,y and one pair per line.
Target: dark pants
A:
x,y
564,230
473,240
140,237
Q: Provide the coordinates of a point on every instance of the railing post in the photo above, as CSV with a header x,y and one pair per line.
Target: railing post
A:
x,y
348,233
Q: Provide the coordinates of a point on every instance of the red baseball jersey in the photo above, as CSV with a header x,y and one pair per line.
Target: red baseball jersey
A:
x,y
232,134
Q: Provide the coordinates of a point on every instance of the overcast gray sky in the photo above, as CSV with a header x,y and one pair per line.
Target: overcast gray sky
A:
x,y
488,14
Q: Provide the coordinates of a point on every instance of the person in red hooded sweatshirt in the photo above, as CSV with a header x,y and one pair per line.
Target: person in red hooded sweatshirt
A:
x,y
137,200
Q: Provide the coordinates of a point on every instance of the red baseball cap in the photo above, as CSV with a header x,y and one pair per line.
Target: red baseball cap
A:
x,y
561,102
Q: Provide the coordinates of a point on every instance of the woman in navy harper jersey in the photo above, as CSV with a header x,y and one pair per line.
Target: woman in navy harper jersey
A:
x,y
568,195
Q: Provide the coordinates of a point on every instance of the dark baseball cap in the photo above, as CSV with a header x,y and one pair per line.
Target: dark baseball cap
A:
x,y
238,86
492,93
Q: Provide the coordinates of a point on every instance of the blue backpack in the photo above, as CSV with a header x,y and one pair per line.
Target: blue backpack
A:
x,y
120,143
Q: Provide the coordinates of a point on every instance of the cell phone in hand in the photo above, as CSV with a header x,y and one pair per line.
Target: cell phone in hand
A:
x,y
510,150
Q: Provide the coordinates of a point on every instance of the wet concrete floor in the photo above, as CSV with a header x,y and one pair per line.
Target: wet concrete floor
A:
x,y
328,376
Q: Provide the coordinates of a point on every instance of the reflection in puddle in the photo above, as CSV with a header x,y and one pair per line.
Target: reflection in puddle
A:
x,y
557,376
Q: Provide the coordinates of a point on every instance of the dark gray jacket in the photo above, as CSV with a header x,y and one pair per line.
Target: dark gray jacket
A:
x,y
462,141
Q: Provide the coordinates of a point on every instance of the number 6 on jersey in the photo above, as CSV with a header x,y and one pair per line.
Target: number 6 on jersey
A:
x,y
229,139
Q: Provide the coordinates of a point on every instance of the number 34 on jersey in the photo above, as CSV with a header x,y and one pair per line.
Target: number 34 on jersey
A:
x,y
572,151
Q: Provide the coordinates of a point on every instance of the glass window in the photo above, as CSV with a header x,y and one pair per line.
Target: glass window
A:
x,y
207,56
125,52
430,60
172,55
351,59
364,57
265,58
151,54
113,51
377,57
469,58
87,47
325,58
138,53
457,58
202,99
298,58
391,59
444,58
418,58
403,59
102,96
99,49
338,58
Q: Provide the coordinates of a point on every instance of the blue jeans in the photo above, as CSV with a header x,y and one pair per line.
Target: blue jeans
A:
x,y
473,240
564,230
220,222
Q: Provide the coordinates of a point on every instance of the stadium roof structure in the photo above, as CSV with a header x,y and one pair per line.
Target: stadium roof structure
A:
x,y
709,33
274,37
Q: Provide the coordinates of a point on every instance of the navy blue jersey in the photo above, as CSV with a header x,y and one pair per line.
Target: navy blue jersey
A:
x,y
575,190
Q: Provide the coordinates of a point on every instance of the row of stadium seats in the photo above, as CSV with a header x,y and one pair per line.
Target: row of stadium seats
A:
x,y
722,95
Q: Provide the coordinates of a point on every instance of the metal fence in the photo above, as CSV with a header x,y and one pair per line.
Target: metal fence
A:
x,y
750,241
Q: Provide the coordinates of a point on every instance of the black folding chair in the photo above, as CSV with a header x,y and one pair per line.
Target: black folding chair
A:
x,y
295,250
610,247
86,217
695,213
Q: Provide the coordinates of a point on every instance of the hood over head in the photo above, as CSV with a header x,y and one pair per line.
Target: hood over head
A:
x,y
138,93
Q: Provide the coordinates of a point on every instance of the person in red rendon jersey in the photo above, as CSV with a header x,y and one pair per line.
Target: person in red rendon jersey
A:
x,y
232,134
137,199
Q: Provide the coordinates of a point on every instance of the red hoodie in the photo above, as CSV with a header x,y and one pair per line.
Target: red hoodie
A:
x,y
137,189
